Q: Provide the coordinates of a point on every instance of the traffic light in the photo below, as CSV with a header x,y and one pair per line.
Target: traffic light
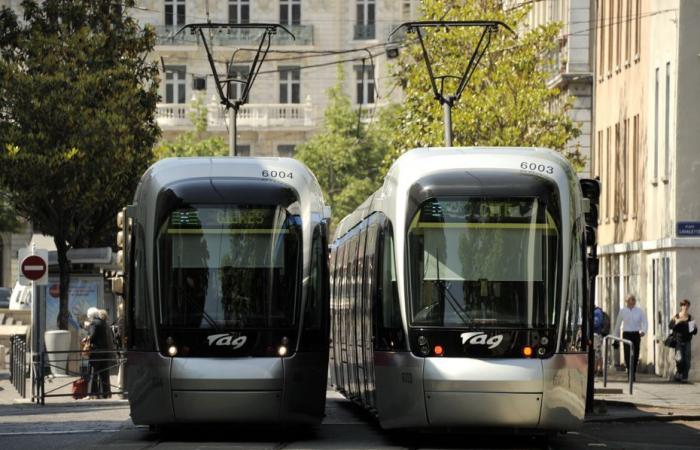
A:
x,y
123,233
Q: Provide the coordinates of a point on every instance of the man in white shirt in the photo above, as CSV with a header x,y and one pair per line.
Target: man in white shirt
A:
x,y
634,327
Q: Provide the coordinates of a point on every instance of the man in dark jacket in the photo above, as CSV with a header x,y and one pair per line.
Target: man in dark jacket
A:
x,y
683,328
100,340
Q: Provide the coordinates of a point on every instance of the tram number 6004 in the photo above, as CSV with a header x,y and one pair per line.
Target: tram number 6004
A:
x,y
537,167
277,174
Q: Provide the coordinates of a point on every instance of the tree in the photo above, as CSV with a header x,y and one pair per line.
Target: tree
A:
x,y
346,155
8,217
506,103
193,142
77,123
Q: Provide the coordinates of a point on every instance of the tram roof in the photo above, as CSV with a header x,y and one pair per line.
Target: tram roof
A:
x,y
415,163
172,170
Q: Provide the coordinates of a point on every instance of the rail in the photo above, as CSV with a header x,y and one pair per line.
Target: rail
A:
x,y
19,368
630,369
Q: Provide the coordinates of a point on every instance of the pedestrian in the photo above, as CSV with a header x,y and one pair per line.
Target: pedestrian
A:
x,y
634,327
100,344
683,329
601,328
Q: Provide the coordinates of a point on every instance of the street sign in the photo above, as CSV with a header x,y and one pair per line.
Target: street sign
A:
x,y
33,267
688,229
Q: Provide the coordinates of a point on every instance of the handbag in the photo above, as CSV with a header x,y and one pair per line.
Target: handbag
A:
x,y
79,388
85,347
670,341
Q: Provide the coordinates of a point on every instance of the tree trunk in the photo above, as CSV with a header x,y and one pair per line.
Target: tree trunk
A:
x,y
64,282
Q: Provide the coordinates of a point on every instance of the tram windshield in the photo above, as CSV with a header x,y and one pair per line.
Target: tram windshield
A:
x,y
484,262
229,267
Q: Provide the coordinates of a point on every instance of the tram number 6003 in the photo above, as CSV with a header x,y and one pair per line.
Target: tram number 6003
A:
x,y
537,167
277,174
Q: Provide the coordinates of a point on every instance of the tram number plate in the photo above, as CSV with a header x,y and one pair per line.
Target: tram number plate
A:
x,y
277,174
537,167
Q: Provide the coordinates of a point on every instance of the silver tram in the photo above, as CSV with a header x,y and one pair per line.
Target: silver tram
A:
x,y
458,291
227,293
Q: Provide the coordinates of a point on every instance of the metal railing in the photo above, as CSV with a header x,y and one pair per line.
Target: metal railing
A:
x,y
19,367
630,369
87,367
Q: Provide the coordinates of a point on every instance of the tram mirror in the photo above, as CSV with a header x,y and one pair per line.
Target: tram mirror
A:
x,y
591,216
590,189
586,205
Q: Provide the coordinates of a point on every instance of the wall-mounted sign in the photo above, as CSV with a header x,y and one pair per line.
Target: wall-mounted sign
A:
x,y
688,229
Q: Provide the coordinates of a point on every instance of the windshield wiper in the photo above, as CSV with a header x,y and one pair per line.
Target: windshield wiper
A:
x,y
461,312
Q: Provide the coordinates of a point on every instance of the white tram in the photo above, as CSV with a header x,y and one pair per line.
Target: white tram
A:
x,y
458,291
227,293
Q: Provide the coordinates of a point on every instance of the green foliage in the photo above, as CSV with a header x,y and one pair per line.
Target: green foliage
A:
x,y
193,142
77,123
8,217
506,103
344,156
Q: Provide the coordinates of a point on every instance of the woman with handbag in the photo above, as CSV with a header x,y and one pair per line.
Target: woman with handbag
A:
x,y
683,329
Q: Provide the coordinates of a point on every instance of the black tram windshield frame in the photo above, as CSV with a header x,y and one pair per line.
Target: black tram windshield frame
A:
x,y
222,196
484,187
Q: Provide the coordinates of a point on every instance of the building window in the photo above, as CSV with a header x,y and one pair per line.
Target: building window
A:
x,y
175,87
289,84
655,178
618,40
618,178
635,159
601,43
628,31
286,150
234,90
290,12
637,28
243,150
611,23
607,181
599,148
174,13
238,11
365,24
199,83
624,168
667,124
365,84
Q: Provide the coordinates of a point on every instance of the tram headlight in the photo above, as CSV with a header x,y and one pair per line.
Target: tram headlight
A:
x,y
541,351
527,351
544,340
423,346
282,350
172,350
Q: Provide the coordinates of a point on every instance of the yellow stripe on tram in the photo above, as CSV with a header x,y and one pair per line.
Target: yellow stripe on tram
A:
x,y
518,226
227,231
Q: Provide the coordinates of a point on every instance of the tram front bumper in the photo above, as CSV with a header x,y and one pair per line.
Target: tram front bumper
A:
x,y
246,390
466,392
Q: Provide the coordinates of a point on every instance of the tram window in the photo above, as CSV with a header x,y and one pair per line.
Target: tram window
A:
x,y
234,266
484,262
573,319
141,335
316,292
388,311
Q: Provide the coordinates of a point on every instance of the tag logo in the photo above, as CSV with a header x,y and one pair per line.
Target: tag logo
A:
x,y
480,338
226,339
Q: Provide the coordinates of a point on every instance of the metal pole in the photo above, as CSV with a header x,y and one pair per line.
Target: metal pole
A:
x,y
630,371
605,361
447,112
232,113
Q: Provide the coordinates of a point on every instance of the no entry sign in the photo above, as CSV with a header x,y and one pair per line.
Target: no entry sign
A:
x,y
33,267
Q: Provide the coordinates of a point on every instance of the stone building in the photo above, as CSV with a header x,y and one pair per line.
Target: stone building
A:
x,y
646,155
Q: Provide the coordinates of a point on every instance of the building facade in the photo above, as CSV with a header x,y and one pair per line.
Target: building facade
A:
x,y
572,62
646,155
288,98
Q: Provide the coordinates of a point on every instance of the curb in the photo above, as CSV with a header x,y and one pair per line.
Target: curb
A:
x,y
643,418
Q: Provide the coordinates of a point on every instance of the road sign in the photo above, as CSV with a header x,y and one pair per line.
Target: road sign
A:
x,y
33,266
688,229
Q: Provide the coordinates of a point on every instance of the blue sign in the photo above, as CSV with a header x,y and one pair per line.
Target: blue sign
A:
x,y
688,229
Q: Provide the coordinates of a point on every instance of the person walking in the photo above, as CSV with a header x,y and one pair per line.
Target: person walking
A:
x,y
100,343
634,327
601,328
683,329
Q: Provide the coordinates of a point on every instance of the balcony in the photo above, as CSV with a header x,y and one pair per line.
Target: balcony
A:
x,y
165,35
364,32
176,116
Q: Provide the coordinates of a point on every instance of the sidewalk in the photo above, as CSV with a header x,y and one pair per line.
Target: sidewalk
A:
x,y
653,398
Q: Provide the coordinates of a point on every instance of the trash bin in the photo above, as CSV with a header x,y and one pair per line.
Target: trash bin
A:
x,y
58,341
